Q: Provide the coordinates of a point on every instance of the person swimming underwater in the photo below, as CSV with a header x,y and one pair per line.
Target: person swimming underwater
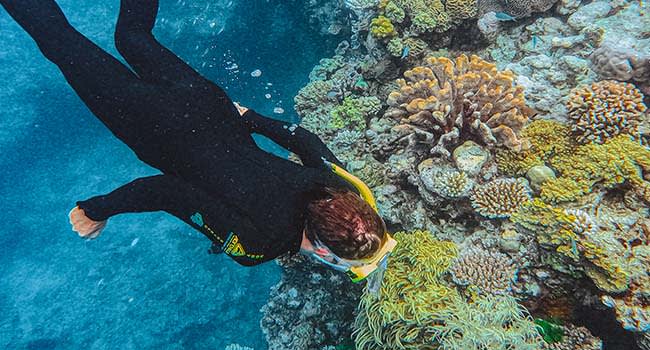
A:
x,y
252,205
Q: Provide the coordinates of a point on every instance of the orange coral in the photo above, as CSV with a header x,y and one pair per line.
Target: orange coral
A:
x,y
605,109
449,101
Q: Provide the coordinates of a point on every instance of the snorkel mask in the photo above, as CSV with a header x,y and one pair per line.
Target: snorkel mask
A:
x,y
371,268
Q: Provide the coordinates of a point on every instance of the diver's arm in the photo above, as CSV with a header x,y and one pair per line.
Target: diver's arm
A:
x,y
145,194
307,145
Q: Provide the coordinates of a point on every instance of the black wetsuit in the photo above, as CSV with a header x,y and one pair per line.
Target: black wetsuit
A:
x,y
250,203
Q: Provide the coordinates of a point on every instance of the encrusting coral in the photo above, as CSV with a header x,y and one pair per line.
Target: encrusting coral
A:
x,y
500,198
605,109
491,272
446,102
417,309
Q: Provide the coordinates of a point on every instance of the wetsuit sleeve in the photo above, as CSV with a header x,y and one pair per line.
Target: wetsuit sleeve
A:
x,y
225,224
145,194
307,145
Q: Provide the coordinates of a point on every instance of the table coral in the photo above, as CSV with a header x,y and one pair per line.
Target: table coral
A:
x,y
603,110
446,102
500,198
491,272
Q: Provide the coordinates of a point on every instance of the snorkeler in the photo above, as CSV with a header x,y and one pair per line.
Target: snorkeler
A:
x,y
252,205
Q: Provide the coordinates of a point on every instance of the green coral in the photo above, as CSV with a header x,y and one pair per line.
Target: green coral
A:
x,y
419,309
426,16
394,12
549,141
381,27
354,111
620,160
599,255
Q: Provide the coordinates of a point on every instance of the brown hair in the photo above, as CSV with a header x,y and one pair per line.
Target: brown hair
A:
x,y
346,223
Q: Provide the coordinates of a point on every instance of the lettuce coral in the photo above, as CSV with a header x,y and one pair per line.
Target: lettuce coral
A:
x,y
418,309
605,109
449,101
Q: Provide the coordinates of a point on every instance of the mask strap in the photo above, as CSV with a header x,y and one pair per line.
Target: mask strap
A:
x,y
364,190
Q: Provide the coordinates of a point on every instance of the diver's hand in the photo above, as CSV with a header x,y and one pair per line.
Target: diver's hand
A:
x,y
241,109
83,225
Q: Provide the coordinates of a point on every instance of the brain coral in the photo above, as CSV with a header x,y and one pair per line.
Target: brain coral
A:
x,y
523,8
605,109
500,198
491,272
446,102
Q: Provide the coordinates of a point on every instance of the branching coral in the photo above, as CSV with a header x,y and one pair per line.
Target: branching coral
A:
x,y
419,310
500,198
489,271
354,111
604,110
448,101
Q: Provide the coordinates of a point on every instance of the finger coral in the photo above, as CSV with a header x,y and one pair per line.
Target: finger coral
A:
x,y
492,273
605,109
449,101
500,198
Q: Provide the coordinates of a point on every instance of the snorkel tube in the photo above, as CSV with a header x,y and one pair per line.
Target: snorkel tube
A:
x,y
373,272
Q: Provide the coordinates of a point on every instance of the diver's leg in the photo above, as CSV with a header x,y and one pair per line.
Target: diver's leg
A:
x,y
151,60
109,89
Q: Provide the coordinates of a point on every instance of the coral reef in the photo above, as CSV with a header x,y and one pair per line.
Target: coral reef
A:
x,y
354,111
491,272
576,338
419,310
448,101
604,110
447,183
500,198
301,314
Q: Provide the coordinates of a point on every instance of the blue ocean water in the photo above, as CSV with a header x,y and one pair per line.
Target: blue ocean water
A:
x,y
147,281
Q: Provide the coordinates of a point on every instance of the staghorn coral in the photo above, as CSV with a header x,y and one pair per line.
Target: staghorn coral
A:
x,y
354,111
604,110
448,101
491,272
620,160
417,309
500,198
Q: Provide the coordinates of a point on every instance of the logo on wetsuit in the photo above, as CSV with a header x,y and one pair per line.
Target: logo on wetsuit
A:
x,y
232,246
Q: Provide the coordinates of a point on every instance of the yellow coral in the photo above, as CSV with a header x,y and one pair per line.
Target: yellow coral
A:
x,y
605,109
418,309
600,256
549,140
445,97
617,161
381,27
